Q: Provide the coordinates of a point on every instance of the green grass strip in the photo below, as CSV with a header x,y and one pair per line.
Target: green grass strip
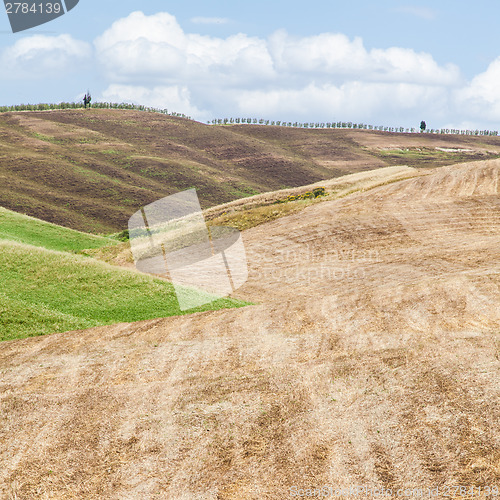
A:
x,y
24,229
44,291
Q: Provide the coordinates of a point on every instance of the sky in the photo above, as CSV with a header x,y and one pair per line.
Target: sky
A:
x,y
379,62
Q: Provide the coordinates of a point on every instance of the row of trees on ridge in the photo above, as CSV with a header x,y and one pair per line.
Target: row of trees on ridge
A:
x,y
80,105
346,125
248,121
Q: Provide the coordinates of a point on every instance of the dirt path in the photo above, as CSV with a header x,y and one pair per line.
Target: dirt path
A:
x,y
371,359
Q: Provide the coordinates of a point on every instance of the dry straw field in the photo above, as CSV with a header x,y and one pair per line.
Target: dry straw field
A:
x,y
371,357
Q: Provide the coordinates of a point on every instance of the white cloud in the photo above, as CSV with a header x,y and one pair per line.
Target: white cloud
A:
x,y
139,47
335,55
44,56
356,101
480,99
153,60
421,12
405,65
325,54
209,20
173,98
157,46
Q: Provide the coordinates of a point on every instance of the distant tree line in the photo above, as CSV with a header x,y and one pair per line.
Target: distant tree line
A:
x,y
346,125
80,105
248,121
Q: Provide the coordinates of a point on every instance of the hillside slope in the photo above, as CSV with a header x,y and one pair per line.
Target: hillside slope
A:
x,y
24,229
44,291
92,169
45,287
372,359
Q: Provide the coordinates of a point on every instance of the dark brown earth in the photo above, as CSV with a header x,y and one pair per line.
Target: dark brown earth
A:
x,y
91,169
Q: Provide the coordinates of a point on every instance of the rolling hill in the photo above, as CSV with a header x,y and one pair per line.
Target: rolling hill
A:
x,y
31,231
46,287
372,359
92,169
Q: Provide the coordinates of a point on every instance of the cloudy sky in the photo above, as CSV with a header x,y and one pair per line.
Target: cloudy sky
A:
x,y
379,62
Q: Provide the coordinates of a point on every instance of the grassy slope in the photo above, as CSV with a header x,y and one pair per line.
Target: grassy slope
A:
x,y
24,229
44,291
91,169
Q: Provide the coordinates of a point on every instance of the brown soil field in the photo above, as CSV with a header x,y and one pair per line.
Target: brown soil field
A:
x,y
371,359
92,169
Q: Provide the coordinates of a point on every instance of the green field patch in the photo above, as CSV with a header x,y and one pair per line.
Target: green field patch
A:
x,y
431,157
413,153
48,138
44,291
24,229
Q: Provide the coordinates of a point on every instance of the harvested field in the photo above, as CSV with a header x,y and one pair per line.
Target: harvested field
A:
x,y
371,359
